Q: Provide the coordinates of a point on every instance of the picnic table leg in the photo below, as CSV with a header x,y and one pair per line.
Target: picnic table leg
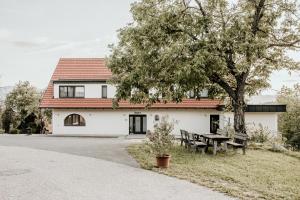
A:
x,y
225,146
203,151
215,147
207,142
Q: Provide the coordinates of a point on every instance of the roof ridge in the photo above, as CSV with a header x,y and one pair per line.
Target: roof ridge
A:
x,y
73,58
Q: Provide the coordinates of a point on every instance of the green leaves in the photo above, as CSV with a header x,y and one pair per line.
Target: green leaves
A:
x,y
177,46
161,140
23,100
289,122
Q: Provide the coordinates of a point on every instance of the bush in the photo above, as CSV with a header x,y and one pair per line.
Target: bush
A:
x,y
289,122
161,141
277,143
259,135
14,131
295,141
1,131
229,131
7,118
277,147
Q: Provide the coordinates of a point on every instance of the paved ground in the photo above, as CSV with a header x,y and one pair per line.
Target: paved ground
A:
x,y
32,174
110,149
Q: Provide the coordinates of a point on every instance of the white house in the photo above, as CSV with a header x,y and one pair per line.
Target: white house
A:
x,y
81,100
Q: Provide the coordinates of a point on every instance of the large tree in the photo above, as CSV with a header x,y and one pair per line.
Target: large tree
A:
x,y
174,46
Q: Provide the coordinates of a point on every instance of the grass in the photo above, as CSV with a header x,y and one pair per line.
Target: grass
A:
x,y
260,174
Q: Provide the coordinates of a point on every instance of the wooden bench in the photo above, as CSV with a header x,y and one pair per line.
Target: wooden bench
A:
x,y
194,144
183,138
199,145
239,142
190,141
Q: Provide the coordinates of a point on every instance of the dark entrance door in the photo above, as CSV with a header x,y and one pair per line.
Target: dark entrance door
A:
x,y
137,124
214,123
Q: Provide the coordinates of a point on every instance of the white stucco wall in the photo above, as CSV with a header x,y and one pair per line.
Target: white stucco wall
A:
x,y
116,122
267,120
92,90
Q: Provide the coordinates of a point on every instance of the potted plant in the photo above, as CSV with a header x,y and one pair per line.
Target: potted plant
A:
x,y
161,141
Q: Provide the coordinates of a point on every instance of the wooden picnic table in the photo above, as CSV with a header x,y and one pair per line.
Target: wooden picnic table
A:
x,y
216,139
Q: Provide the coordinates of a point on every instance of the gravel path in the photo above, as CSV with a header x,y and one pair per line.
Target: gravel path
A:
x,y
33,174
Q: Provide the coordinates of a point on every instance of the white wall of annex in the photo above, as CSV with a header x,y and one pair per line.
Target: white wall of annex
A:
x,y
267,120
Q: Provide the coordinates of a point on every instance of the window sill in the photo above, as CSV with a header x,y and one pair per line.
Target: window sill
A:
x,y
74,125
71,98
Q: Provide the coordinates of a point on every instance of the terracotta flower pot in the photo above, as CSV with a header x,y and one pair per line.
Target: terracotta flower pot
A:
x,y
163,161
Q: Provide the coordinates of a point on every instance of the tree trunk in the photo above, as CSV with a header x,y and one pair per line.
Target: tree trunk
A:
x,y
239,107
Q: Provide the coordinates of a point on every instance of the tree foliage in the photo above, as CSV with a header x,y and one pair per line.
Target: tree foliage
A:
x,y
7,118
289,122
1,111
175,46
23,100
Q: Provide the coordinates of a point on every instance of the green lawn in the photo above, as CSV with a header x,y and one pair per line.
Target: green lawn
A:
x,y
260,174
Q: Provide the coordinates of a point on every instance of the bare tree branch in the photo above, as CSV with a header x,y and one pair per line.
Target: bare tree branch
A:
x,y
294,44
259,12
215,78
201,8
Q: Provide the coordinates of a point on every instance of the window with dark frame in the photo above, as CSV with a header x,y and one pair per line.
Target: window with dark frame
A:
x,y
71,91
74,120
191,94
104,91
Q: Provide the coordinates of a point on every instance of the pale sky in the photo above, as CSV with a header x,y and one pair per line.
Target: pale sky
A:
x,y
34,34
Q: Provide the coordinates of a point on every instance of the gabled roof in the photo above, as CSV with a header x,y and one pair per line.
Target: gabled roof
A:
x,y
81,69
86,69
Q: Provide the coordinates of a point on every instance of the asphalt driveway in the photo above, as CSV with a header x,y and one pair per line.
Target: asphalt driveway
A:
x,y
31,174
110,149
71,168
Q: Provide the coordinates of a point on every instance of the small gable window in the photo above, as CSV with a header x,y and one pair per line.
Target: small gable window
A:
x,y
104,91
74,120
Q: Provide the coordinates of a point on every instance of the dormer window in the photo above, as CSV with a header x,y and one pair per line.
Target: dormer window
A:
x,y
71,91
191,94
202,94
104,91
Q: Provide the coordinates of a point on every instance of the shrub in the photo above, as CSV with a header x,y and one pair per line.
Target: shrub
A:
x,y
7,119
259,135
289,122
295,141
14,131
161,141
229,131
276,147
277,143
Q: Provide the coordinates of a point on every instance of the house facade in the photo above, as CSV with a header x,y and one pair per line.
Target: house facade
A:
x,y
81,99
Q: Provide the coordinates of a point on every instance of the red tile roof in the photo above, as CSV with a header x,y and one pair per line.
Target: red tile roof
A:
x,y
81,69
95,69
